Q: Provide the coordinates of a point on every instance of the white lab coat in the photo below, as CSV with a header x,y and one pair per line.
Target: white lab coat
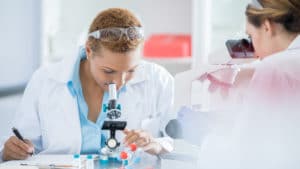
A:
x,y
277,78
49,114
265,131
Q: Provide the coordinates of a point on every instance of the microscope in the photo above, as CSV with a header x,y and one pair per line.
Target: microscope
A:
x,y
112,154
113,111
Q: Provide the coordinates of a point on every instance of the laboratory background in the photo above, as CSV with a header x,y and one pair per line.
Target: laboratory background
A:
x,y
39,32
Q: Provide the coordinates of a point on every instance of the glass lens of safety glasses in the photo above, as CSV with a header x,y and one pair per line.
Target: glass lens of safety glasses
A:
x,y
115,34
135,33
112,34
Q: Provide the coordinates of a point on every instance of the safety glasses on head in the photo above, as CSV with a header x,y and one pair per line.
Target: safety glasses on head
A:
x,y
116,34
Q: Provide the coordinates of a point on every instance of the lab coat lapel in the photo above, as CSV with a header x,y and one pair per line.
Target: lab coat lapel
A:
x,y
68,138
65,135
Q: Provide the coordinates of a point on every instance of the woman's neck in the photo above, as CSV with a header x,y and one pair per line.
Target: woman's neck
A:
x,y
281,43
286,40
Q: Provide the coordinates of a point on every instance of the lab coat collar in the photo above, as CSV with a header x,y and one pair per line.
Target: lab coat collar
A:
x,y
63,71
295,44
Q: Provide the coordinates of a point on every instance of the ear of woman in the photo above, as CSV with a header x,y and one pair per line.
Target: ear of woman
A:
x,y
88,51
270,28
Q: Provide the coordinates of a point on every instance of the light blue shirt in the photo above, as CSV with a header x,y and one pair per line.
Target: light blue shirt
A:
x,y
93,137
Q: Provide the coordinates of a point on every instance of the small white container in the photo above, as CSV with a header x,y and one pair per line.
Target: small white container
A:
x,y
77,161
89,162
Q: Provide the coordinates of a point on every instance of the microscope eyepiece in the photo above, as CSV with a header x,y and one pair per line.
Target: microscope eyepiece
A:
x,y
112,90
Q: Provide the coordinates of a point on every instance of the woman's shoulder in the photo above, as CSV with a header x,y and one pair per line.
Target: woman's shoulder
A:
x,y
50,73
59,72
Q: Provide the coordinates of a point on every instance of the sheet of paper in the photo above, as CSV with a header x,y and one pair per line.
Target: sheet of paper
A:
x,y
42,160
17,167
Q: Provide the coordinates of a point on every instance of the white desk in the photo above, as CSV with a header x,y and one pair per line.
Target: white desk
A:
x,y
184,156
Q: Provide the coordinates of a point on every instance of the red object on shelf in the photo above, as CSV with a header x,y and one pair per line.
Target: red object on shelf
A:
x,y
168,46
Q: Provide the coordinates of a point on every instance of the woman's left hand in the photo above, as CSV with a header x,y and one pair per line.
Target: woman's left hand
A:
x,y
142,139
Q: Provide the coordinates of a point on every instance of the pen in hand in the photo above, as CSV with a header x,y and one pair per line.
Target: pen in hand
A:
x,y
19,136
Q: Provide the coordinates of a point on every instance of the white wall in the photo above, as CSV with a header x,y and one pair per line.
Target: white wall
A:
x,y
228,22
223,19
20,43
75,16
8,107
20,53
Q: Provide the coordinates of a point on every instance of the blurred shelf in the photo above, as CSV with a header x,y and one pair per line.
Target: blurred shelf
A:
x,y
173,65
175,60
12,89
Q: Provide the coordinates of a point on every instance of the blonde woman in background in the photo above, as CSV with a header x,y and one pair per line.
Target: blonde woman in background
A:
x,y
266,129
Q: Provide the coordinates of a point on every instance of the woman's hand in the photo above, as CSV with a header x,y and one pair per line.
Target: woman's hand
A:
x,y
139,137
142,139
16,149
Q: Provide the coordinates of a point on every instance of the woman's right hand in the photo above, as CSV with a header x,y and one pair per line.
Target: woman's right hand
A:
x,y
16,149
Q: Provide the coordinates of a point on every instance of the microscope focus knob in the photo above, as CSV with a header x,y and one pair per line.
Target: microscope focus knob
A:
x,y
119,107
112,143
